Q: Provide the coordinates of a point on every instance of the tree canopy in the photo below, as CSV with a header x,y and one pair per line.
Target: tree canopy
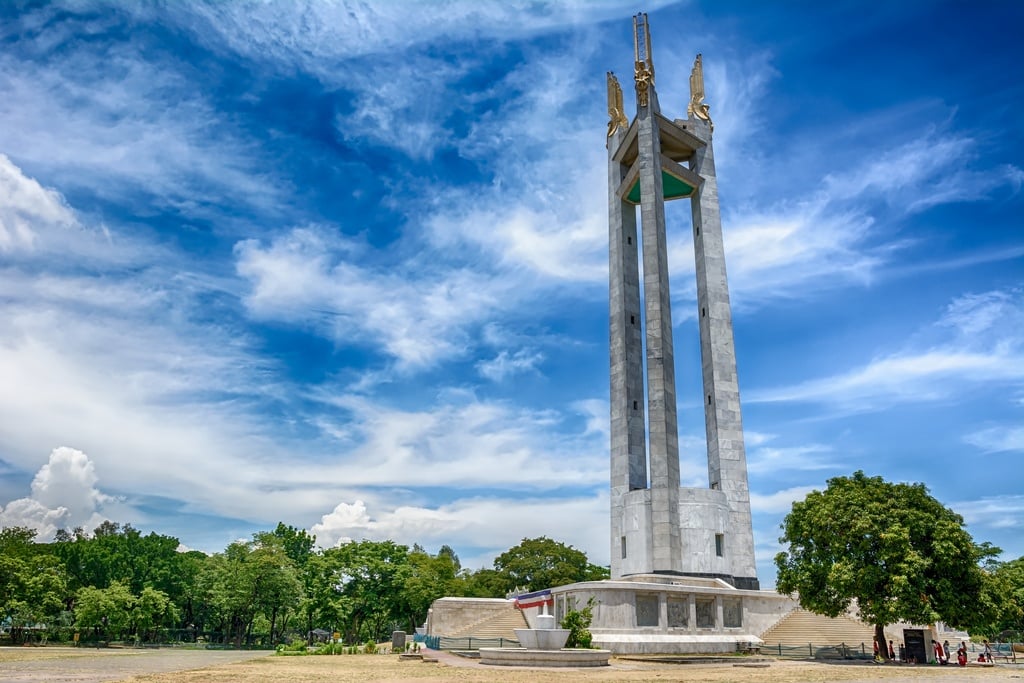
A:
x,y
538,563
893,548
118,584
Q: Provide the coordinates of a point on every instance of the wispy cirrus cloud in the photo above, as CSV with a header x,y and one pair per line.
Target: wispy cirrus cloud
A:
x,y
123,122
307,277
978,340
999,439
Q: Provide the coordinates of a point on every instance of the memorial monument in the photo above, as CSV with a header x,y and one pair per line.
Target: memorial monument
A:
x,y
656,527
683,575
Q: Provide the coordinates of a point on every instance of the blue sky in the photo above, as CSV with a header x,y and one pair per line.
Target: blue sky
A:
x,y
344,264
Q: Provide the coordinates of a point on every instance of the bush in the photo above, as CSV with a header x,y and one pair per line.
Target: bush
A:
x,y
578,623
333,649
370,647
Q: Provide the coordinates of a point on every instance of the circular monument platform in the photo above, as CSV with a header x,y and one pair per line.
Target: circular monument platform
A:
x,y
565,657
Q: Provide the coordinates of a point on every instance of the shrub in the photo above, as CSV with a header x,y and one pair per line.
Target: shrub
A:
x,y
578,623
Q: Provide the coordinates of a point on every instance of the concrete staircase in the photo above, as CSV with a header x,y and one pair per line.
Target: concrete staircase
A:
x,y
499,625
801,627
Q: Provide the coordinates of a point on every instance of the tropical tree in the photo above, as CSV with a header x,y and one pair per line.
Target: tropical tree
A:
x,y
108,611
370,576
32,581
430,577
538,563
153,609
893,548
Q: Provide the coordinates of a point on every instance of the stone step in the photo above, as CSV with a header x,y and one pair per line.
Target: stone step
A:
x,y
801,627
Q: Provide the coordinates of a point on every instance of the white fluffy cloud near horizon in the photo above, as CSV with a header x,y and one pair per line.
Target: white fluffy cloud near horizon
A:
x,y
64,496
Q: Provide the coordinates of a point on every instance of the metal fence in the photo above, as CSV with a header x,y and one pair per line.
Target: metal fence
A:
x,y
1001,652
469,643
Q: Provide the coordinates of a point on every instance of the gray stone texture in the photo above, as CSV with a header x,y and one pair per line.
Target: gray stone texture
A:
x,y
727,462
663,434
628,446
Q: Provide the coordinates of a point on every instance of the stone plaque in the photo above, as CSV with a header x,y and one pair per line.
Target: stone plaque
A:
x,y
705,613
647,610
398,641
732,613
678,613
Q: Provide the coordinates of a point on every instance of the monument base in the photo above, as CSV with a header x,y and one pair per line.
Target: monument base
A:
x,y
661,614
514,656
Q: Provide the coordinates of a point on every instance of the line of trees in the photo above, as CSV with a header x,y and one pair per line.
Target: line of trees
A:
x,y
118,584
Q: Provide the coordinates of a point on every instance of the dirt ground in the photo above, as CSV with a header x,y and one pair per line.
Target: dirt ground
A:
x,y
68,665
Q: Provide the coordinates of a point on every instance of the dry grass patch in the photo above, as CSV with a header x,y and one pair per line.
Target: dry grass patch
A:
x,y
388,669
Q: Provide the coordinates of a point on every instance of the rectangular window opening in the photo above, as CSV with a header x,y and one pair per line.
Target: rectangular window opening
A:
x,y
629,240
720,545
623,547
709,399
632,320
635,405
703,312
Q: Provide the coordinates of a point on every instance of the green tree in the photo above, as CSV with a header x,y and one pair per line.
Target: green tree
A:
x,y
32,582
430,577
1007,581
153,609
482,583
893,548
108,611
538,563
370,576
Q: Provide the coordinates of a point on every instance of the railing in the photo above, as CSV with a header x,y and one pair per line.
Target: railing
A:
x,y
812,651
1001,652
468,643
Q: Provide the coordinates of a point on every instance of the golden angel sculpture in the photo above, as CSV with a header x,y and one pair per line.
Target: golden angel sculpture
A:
x,y
616,114
697,107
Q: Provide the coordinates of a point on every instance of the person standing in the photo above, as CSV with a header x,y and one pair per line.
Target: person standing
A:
x,y
988,651
961,654
892,651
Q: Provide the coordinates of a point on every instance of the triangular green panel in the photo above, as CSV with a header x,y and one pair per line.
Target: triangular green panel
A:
x,y
673,186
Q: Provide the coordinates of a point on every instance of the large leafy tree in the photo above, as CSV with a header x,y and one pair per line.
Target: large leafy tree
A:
x,y
32,581
1008,583
538,563
893,548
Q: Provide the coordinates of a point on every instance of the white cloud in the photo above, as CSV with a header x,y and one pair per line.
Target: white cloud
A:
x,y
780,502
315,35
504,365
997,512
119,122
764,459
26,208
495,523
467,444
64,495
417,318
987,347
997,439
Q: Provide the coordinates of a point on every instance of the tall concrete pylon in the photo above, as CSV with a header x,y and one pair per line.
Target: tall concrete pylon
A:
x,y
656,526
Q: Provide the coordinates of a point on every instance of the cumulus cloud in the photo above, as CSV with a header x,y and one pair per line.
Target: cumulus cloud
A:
x,y
482,523
64,495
